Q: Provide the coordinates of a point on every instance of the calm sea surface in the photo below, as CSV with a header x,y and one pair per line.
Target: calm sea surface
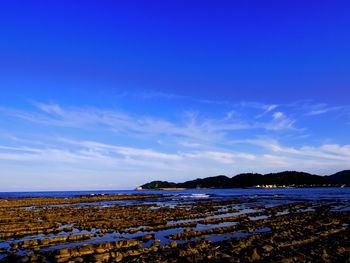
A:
x,y
331,193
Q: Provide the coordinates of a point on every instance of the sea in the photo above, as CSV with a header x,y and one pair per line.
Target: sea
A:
x,y
324,193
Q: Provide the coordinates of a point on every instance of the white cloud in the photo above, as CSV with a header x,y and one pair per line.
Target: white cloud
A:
x,y
276,160
270,107
105,159
335,148
190,144
129,151
51,108
334,152
45,155
90,154
193,131
192,128
278,115
222,157
279,122
266,108
317,112
313,109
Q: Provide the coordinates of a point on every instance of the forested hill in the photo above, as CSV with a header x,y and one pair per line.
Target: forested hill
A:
x,y
286,178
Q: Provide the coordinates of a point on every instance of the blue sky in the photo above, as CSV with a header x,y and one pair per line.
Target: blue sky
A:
x,y
112,95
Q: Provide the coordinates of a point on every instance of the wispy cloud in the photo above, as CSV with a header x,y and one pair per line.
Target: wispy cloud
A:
x,y
310,108
327,151
192,126
104,159
190,144
278,122
222,157
319,109
124,151
194,143
267,109
91,153
278,115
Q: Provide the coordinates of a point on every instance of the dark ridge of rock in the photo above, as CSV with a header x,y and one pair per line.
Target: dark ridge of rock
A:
x,y
210,182
342,177
293,177
285,178
245,180
158,185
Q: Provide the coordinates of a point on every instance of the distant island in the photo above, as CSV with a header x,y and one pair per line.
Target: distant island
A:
x,y
247,180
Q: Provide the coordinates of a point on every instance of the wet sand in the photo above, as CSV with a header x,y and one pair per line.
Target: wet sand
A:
x,y
165,228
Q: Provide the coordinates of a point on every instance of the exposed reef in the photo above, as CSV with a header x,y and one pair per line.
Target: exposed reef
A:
x,y
164,228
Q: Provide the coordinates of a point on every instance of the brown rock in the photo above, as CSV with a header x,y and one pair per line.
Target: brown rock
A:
x,y
268,248
173,244
255,255
118,257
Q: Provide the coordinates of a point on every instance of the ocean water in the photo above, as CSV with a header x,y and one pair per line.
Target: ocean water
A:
x,y
325,193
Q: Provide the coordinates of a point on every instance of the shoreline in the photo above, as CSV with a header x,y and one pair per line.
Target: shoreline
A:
x,y
277,187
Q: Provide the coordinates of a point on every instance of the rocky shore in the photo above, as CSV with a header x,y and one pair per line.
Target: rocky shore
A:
x,y
164,228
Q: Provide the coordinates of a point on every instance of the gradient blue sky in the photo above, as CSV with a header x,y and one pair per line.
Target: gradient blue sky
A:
x,y
113,94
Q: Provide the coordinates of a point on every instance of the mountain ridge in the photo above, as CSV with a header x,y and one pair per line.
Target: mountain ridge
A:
x,y
243,180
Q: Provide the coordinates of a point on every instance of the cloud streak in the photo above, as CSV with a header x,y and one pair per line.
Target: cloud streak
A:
x,y
192,126
242,137
327,151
